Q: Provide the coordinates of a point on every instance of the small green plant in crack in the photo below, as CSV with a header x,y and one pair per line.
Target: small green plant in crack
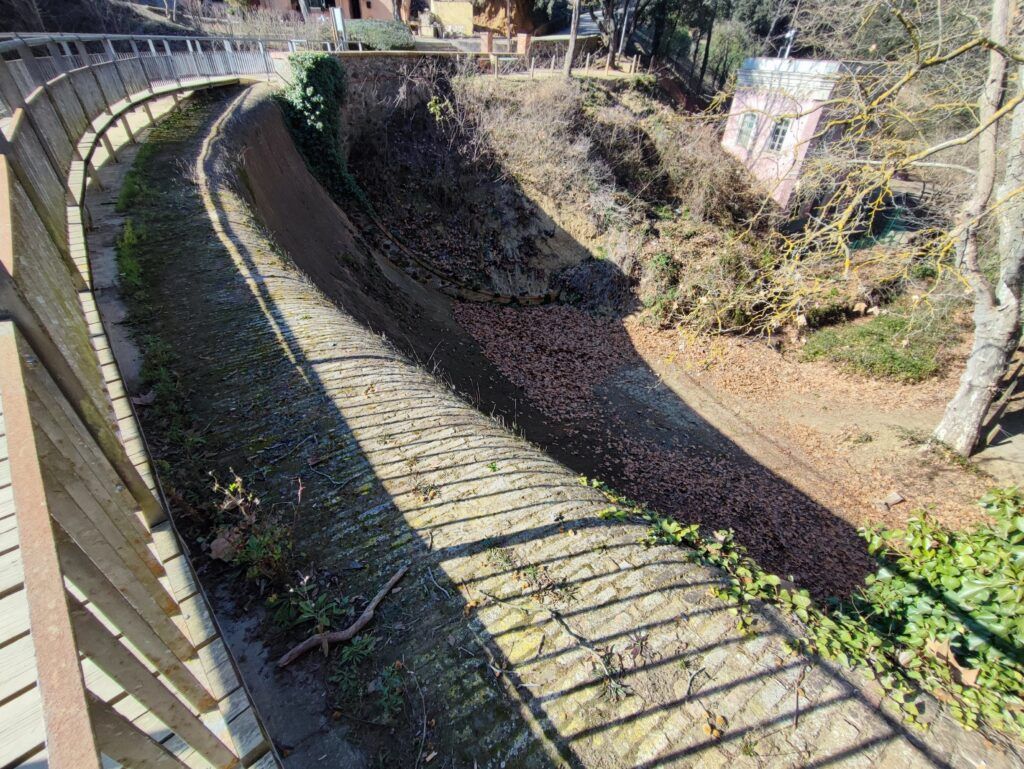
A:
x,y
492,466
358,650
249,537
608,663
346,674
390,691
307,602
638,650
129,266
533,577
348,685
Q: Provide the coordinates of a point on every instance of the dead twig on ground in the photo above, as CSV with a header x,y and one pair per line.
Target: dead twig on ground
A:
x,y
326,639
432,579
423,731
347,480
689,684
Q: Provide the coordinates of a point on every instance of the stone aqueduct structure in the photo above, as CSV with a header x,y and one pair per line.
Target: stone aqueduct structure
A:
x,y
108,650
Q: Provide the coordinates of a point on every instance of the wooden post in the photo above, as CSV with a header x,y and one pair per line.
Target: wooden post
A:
x,y
533,64
112,53
95,177
83,51
195,56
110,656
128,129
109,147
171,62
69,732
28,59
126,743
58,59
142,63
9,88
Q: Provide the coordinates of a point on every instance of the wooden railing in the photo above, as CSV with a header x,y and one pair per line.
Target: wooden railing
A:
x,y
108,651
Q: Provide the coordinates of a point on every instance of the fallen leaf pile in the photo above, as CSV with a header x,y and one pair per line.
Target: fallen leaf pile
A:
x,y
575,367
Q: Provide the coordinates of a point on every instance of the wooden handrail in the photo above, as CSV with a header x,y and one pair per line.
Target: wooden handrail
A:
x,y
95,586
71,742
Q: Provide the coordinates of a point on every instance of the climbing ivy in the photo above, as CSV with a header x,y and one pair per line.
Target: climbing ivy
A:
x,y
312,104
943,614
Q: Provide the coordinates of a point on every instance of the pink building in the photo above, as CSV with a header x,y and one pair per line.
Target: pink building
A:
x,y
775,116
383,10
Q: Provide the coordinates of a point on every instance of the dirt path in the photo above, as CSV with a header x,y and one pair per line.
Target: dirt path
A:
x,y
853,439
528,632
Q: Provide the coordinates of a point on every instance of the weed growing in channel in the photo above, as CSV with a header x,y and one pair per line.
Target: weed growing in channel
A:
x,y
310,603
128,264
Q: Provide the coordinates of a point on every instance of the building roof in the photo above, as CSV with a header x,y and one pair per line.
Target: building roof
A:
x,y
799,78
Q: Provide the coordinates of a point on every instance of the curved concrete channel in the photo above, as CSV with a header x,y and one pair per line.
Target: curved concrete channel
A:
x,y
528,632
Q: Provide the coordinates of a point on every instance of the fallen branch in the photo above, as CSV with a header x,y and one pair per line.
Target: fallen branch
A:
x,y
337,636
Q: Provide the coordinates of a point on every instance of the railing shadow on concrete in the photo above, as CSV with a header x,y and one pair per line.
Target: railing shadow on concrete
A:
x,y
108,653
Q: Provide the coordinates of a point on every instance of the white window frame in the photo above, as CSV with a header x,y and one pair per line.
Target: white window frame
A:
x,y
779,133
747,130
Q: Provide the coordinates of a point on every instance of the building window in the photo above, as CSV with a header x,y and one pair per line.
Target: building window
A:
x,y
748,128
778,136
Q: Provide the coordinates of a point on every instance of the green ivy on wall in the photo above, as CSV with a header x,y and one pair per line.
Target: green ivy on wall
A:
x,y
312,104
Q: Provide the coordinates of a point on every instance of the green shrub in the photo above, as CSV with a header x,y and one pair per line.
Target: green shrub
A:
x,y
380,35
312,104
943,614
893,346
956,597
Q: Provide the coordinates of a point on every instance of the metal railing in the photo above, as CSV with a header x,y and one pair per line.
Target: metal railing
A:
x,y
139,62
108,651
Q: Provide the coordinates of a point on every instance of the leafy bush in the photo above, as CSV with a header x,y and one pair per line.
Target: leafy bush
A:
x,y
896,346
944,614
312,104
380,35
954,599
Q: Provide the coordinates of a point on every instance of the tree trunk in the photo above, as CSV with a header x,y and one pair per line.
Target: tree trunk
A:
x,y
996,334
624,35
658,32
996,309
573,31
707,42
609,62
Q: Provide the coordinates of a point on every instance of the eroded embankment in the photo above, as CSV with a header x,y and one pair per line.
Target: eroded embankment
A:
x,y
528,632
